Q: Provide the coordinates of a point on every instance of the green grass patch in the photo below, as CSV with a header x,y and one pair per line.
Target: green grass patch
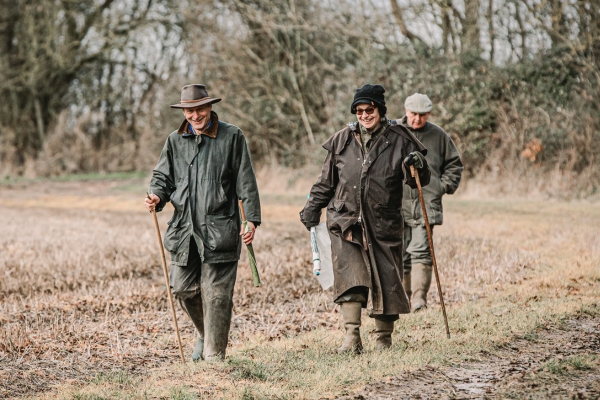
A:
x,y
570,365
94,176
114,377
181,393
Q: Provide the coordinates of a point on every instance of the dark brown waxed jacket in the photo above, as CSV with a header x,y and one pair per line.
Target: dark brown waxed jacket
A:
x,y
367,192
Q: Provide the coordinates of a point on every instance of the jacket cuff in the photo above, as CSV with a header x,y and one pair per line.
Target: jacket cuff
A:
x,y
310,216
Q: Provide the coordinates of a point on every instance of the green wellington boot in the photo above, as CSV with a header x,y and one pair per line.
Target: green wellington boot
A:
x,y
421,281
217,325
193,308
351,315
384,331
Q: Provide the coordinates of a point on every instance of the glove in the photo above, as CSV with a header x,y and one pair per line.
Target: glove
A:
x,y
307,224
415,158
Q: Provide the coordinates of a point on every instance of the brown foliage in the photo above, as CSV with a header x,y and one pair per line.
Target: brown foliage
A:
x,y
82,288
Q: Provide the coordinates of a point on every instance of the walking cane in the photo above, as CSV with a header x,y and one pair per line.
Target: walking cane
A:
x,y
164,265
429,238
251,256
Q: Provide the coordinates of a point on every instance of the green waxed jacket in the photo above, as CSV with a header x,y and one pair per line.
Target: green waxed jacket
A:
x,y
203,176
446,171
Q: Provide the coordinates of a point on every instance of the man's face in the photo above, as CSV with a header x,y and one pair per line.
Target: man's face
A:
x,y
416,121
368,115
198,117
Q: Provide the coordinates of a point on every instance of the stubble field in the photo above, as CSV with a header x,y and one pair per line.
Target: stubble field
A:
x,y
83,310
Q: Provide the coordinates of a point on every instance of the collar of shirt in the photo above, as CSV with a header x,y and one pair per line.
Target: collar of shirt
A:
x,y
186,130
191,128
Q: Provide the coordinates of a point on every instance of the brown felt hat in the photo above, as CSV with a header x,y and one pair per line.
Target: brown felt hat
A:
x,y
193,96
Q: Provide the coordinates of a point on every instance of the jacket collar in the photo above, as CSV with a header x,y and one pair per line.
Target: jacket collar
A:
x,y
354,128
185,131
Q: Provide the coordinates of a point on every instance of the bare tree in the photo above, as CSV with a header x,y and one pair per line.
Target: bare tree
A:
x,y
56,53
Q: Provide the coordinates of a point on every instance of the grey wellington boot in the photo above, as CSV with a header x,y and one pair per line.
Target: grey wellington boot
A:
x,y
406,284
421,281
351,315
193,308
384,331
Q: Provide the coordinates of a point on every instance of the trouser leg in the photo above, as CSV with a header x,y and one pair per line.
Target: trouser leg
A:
x,y
217,283
185,285
205,292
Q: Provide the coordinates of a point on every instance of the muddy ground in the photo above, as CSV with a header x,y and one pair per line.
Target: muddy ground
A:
x,y
559,361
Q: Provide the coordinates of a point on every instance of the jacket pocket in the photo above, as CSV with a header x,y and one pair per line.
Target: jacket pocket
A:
x,y
175,219
338,205
434,212
215,198
334,215
173,237
388,223
222,233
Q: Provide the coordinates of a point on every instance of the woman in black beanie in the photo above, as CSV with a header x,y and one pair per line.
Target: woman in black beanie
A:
x,y
361,186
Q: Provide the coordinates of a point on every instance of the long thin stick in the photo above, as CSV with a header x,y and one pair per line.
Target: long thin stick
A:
x,y
251,257
164,265
429,238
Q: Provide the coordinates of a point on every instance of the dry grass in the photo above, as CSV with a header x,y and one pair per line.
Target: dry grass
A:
x,y
82,303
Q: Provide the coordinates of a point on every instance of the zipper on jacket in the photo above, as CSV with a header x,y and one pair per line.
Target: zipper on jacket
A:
x,y
362,151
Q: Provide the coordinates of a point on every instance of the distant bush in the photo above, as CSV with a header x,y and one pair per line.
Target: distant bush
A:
x,y
525,104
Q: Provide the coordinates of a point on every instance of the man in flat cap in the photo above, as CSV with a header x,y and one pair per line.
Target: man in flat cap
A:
x,y
204,168
446,170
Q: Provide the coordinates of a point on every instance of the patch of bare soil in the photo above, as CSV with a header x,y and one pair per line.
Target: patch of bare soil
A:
x,y
554,362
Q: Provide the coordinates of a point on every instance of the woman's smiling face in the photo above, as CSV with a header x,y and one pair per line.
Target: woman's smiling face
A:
x,y
368,115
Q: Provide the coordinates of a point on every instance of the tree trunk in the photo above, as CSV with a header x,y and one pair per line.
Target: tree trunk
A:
x,y
471,32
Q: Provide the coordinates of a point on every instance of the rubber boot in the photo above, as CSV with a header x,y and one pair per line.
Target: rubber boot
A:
x,y
217,324
193,308
421,281
351,315
406,284
384,331
198,352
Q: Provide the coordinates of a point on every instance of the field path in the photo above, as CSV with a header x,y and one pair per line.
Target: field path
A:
x,y
83,312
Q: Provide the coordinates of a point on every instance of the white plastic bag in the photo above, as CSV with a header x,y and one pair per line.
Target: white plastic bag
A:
x,y
325,277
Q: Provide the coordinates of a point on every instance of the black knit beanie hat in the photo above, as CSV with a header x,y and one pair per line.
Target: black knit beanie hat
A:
x,y
367,94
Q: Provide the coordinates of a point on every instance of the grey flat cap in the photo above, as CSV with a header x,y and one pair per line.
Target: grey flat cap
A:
x,y
418,103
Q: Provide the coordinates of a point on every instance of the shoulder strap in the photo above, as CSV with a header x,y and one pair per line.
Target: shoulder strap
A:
x,y
406,133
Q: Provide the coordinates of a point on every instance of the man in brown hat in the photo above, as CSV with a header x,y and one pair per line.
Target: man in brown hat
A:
x,y
204,168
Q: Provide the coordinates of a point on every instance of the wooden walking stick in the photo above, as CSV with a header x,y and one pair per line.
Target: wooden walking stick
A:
x,y
415,175
164,265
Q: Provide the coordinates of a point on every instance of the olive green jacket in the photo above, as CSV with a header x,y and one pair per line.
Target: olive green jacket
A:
x,y
203,176
446,171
